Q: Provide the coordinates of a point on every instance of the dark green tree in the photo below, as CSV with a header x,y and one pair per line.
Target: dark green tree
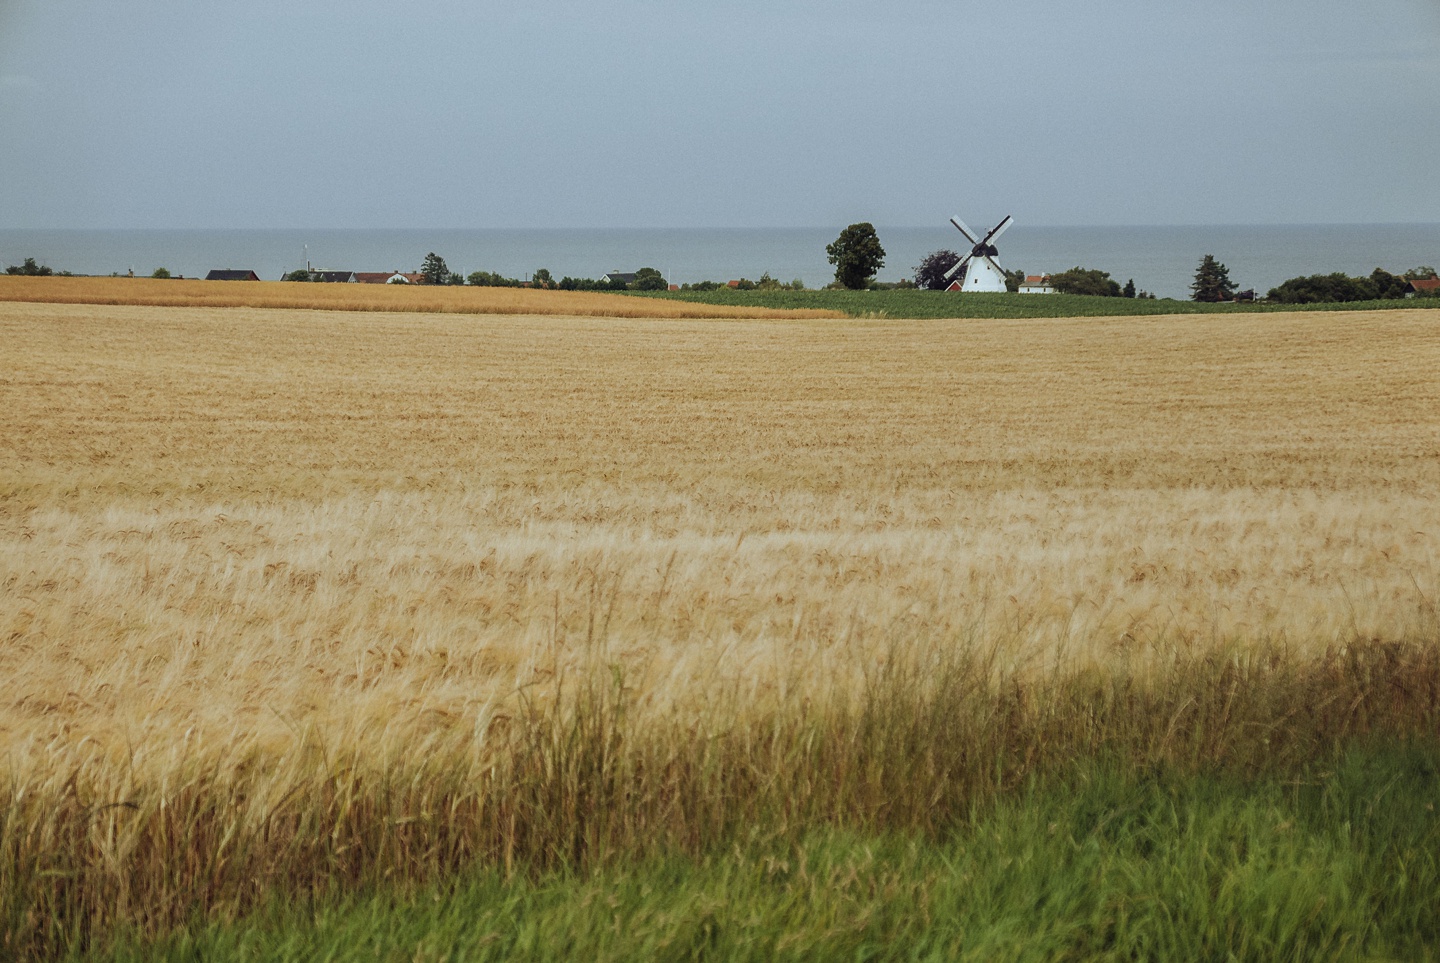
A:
x,y
300,275
1317,288
1013,280
1079,280
30,269
649,279
542,279
1386,286
488,279
930,272
1129,290
857,255
1212,281
161,273
434,270
1422,273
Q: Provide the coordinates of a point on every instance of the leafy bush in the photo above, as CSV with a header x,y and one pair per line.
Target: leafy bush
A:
x,y
649,279
1078,280
485,279
930,272
568,283
1381,285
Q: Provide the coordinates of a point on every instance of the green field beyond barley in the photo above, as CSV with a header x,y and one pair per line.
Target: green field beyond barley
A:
x,y
364,634
944,304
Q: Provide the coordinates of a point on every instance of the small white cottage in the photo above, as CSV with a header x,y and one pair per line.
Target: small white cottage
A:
x,y
1036,284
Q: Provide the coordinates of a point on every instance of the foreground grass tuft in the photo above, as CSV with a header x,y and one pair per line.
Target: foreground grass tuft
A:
x,y
1106,864
928,747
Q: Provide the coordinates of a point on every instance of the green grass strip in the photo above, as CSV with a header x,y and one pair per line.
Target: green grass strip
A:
x,y
944,304
1340,863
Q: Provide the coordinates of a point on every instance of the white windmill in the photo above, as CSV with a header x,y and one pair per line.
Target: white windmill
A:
x,y
978,270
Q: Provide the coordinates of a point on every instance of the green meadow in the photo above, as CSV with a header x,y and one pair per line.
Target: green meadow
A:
x,y
943,304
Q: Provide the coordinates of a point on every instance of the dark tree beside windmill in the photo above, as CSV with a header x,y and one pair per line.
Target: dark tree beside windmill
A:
x,y
930,273
1212,282
857,255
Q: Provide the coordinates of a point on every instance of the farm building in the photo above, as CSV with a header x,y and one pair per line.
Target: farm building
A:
x,y
1429,286
333,277
619,277
388,277
230,274
1036,284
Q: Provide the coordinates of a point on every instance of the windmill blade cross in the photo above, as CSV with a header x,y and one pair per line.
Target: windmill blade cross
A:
x,y
998,229
960,226
958,265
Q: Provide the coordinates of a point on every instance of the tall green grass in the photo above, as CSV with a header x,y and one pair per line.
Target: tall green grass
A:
x,y
944,304
1104,864
930,745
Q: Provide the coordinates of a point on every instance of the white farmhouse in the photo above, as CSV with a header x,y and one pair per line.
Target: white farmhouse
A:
x,y
1036,284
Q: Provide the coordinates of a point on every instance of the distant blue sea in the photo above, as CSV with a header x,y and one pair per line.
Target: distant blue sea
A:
x,y
1159,259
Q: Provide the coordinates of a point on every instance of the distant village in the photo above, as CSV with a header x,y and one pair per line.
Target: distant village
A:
x,y
332,277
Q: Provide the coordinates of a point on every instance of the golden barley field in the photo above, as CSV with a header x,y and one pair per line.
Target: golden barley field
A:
x,y
193,293
234,525
239,544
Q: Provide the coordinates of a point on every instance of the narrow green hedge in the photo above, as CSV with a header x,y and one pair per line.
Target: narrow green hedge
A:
x,y
943,304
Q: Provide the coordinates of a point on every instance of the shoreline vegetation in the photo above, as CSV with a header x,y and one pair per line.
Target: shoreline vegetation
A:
x,y
719,303
409,636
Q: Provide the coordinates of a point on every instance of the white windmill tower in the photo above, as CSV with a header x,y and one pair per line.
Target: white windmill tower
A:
x,y
978,270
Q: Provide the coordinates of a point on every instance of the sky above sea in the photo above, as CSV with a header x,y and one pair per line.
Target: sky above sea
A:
x,y
558,114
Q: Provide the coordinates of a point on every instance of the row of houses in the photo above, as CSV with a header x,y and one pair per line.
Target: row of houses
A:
x,y
332,277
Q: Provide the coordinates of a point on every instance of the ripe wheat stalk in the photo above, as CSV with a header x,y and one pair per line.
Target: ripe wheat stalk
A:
x,y
302,599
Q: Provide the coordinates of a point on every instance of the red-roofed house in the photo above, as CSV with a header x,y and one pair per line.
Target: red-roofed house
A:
x,y
1429,286
1036,284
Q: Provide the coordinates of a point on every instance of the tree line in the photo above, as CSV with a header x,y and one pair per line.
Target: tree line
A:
x,y
32,270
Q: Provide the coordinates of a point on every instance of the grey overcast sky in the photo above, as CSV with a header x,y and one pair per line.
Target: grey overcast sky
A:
x,y
746,113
